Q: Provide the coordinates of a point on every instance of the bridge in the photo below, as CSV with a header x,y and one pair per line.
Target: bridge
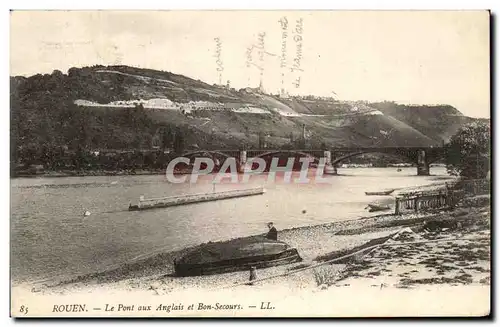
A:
x,y
422,157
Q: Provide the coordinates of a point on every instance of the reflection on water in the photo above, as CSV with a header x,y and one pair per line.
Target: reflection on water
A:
x,y
50,236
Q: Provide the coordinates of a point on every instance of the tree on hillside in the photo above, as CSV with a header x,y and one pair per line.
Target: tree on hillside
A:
x,y
179,141
167,137
468,152
262,141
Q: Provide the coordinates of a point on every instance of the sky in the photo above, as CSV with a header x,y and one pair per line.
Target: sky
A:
x,y
412,57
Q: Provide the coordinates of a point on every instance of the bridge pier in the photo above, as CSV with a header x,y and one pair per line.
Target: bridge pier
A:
x,y
422,164
329,169
242,161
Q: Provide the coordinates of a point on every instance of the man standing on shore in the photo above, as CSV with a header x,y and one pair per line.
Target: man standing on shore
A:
x,y
273,233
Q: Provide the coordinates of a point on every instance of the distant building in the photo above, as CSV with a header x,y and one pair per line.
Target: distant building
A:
x,y
261,88
251,90
284,94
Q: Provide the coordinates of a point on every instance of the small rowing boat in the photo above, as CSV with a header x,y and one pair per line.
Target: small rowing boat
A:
x,y
376,207
388,192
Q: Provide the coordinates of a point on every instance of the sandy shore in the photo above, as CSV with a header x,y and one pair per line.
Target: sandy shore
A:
x,y
406,266
420,264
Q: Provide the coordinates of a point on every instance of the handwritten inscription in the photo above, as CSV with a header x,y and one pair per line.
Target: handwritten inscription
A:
x,y
218,58
248,53
63,44
262,49
297,60
284,36
261,53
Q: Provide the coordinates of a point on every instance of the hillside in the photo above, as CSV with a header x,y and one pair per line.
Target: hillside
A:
x,y
120,107
438,122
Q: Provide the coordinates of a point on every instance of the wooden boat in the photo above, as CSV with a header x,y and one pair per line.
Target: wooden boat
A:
x,y
170,201
235,255
380,193
376,207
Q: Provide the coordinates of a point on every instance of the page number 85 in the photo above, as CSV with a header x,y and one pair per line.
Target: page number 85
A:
x,y
23,309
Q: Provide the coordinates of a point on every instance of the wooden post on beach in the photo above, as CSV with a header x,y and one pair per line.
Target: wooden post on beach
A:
x,y
452,198
416,203
396,207
448,195
253,274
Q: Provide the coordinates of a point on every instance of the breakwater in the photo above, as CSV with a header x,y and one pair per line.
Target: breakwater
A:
x,y
170,201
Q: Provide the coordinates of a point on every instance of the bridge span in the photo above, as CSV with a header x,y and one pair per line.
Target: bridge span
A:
x,y
422,157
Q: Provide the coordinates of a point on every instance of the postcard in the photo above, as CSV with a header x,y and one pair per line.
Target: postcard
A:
x,y
250,163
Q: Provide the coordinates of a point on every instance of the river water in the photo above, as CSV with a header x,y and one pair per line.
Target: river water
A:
x,y
51,237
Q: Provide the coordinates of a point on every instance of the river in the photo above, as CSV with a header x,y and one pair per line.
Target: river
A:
x,y
51,237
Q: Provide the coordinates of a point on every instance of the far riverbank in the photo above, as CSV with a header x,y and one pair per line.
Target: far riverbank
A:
x,y
127,172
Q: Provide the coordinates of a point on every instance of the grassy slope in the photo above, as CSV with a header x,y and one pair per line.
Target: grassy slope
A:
x,y
38,105
438,122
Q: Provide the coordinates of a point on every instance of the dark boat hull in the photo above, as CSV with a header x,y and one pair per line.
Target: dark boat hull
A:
x,y
374,208
287,257
378,209
380,193
133,207
259,260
